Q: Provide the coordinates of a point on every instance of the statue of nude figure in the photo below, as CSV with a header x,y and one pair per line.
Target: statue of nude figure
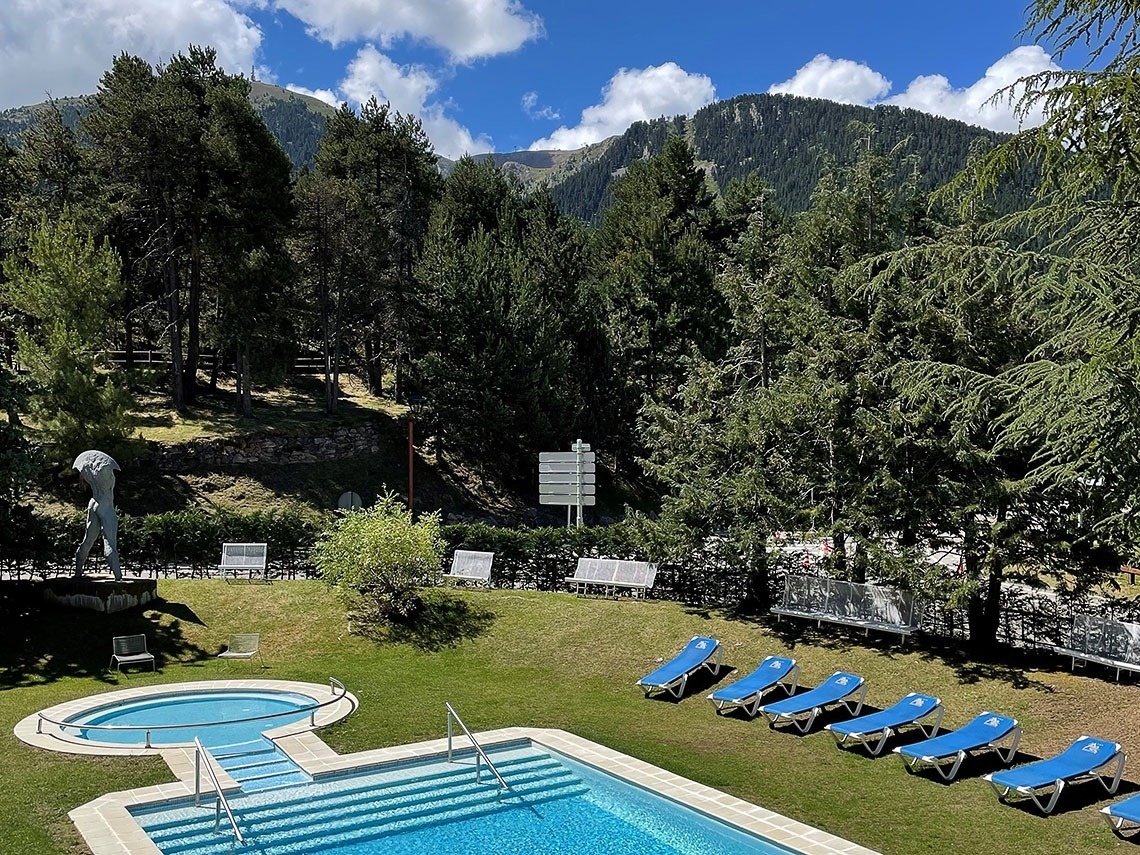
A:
x,y
98,470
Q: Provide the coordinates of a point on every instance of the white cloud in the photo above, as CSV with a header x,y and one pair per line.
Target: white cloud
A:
x,y
531,108
633,95
64,46
933,93
326,95
407,89
466,29
841,80
850,82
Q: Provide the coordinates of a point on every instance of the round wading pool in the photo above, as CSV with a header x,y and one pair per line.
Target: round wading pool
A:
x,y
218,712
216,718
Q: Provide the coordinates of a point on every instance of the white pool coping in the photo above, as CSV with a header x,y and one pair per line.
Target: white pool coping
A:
x,y
108,827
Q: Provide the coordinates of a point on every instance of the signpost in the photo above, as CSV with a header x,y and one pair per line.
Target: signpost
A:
x,y
567,478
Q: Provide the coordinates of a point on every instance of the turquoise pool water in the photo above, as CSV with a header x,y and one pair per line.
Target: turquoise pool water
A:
x,y
213,717
557,806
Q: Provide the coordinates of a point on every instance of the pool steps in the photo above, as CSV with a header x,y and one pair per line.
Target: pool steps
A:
x,y
346,810
258,764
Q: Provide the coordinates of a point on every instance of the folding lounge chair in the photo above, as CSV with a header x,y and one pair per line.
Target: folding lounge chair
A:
x,y
746,692
673,676
872,731
987,731
801,711
1123,817
244,646
1086,758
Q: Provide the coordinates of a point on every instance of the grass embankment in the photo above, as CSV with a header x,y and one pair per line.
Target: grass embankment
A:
x,y
550,660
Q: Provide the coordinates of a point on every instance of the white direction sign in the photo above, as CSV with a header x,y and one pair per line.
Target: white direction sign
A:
x,y
567,478
561,499
568,468
571,457
566,489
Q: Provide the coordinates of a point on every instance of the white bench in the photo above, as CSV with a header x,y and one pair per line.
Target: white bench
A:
x,y
611,576
470,566
1112,643
243,557
853,604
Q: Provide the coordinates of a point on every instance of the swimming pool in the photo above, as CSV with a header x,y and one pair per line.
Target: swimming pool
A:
x,y
110,824
217,718
555,805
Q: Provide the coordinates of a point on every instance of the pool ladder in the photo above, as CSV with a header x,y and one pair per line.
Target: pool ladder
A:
x,y
480,754
221,803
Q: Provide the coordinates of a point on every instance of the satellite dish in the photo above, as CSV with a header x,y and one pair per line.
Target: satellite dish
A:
x,y
350,501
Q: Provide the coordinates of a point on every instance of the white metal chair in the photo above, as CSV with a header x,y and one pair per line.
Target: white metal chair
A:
x,y
244,645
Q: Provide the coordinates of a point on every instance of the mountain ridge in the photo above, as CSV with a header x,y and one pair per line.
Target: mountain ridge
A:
x,y
787,139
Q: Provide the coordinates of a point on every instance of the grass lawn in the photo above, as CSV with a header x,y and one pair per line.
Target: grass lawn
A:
x,y
507,658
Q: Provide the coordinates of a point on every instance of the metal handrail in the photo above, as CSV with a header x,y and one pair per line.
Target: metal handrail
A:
x,y
312,711
479,752
222,802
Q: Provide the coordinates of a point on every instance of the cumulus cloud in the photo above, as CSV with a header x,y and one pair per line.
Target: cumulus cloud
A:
x,y
531,108
408,89
841,80
632,95
933,93
326,95
850,82
466,29
63,47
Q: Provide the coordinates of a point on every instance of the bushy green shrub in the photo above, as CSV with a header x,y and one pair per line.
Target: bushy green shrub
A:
x,y
382,555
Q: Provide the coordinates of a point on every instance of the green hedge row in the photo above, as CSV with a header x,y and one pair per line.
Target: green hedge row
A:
x,y
190,543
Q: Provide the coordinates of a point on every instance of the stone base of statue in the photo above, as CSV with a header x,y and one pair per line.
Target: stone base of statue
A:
x,y
98,593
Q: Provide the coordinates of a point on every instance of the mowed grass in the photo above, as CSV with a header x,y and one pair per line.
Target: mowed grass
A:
x,y
506,658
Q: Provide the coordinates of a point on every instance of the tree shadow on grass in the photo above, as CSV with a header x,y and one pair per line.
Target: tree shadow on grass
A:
x,y
998,662
442,621
42,644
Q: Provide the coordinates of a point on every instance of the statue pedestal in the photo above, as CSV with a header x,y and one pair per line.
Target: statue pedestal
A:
x,y
99,593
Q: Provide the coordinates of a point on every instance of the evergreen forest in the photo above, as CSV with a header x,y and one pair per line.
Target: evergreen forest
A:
x,y
883,349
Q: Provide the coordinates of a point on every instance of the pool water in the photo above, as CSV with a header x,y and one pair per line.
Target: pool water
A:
x,y
159,712
238,745
556,806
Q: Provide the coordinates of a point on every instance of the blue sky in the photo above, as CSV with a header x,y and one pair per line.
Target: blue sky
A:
x,y
513,74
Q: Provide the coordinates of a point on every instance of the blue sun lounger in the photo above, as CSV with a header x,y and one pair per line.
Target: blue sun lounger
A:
x,y
747,691
1086,758
872,731
800,711
1123,817
987,731
673,676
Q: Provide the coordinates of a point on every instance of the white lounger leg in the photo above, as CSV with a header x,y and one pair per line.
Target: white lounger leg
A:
x,y
1009,755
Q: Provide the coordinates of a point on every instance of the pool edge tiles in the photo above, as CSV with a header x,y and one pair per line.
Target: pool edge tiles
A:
x,y
107,825
54,738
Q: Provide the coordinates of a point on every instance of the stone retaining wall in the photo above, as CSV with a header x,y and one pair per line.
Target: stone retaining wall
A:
x,y
341,443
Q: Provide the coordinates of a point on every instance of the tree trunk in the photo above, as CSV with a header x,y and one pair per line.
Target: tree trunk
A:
x,y
193,324
173,315
757,595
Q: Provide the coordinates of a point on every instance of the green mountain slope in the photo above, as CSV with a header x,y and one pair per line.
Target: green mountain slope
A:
x,y
785,138
298,121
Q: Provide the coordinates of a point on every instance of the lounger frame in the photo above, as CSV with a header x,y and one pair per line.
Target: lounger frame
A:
x,y
751,703
802,720
875,740
1110,781
1123,826
676,687
1005,753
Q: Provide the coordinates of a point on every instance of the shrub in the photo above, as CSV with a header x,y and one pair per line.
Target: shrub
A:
x,y
380,554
